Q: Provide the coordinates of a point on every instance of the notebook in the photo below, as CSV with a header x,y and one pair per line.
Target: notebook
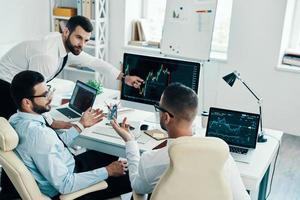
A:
x,y
238,129
83,97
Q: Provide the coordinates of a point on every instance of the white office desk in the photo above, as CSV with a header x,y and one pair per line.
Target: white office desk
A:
x,y
255,175
112,145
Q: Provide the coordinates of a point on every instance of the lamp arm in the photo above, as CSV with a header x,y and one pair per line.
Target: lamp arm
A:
x,y
258,99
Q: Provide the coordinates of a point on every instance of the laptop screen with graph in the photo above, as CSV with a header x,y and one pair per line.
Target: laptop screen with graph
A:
x,y
157,73
234,127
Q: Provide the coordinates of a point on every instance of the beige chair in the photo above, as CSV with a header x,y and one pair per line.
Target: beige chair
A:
x,y
195,171
18,173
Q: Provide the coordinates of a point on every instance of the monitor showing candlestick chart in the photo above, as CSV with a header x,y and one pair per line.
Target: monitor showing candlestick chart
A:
x,y
157,74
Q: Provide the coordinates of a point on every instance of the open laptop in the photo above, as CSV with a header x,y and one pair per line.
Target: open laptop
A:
x,y
83,97
238,129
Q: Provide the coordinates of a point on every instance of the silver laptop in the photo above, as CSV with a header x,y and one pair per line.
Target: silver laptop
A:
x,y
83,97
238,129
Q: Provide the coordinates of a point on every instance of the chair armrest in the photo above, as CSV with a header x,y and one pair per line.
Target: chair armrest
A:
x,y
139,196
99,186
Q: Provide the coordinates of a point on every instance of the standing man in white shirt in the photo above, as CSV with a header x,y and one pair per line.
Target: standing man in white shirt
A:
x,y
178,108
50,54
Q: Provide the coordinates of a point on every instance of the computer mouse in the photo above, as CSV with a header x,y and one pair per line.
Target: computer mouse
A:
x,y
144,127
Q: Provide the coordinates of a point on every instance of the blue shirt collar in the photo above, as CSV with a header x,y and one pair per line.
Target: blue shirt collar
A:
x,y
31,116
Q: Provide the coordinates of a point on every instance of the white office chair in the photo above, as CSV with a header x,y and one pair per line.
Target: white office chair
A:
x,y
18,173
195,171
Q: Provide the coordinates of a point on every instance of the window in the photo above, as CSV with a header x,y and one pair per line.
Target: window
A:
x,y
294,42
289,59
154,10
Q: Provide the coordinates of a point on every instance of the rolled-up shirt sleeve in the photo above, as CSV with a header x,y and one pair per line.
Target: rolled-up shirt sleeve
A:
x,y
97,64
51,161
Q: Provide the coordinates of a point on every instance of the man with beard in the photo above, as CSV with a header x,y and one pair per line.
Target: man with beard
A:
x,y
45,153
49,55
178,108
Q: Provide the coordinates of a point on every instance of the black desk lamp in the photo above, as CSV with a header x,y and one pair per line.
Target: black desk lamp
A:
x,y
230,79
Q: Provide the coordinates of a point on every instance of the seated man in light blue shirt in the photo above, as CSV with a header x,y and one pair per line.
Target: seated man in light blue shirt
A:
x,y
54,168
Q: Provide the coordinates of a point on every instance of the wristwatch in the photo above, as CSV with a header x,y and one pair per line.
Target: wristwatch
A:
x,y
79,125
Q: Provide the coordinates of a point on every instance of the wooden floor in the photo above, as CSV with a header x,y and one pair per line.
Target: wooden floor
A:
x,y
286,182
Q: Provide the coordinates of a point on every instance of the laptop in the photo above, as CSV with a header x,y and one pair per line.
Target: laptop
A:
x,y
238,129
83,97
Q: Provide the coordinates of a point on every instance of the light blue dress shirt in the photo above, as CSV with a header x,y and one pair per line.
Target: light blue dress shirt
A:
x,y
51,164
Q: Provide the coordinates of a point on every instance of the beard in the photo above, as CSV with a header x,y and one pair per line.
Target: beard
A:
x,y
41,109
76,50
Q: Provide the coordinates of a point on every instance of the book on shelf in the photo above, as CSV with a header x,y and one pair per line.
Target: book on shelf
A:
x,y
79,7
86,7
139,31
134,31
64,11
93,10
59,25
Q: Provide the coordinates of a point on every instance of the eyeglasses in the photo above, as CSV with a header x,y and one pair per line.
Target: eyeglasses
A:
x,y
160,109
48,94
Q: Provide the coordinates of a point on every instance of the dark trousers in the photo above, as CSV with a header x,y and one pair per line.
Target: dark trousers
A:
x,y
93,160
7,108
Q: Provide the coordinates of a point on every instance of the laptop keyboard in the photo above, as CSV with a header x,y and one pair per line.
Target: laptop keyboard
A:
x,y
238,150
68,113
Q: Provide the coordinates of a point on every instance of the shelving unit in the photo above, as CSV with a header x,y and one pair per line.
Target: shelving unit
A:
x,y
98,45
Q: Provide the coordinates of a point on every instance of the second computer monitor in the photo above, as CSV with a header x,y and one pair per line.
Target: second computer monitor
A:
x,y
157,74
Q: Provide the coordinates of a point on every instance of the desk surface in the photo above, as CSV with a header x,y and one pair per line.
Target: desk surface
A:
x,y
252,173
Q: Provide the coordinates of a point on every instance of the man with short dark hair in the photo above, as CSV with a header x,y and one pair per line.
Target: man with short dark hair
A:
x,y
50,54
178,108
45,153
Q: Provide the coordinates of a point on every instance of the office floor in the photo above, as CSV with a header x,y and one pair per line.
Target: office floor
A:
x,y
286,179
287,175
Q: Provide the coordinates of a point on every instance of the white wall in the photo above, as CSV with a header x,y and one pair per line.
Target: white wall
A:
x,y
254,46
21,20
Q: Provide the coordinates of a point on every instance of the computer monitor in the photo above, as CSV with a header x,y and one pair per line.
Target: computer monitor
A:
x,y
157,73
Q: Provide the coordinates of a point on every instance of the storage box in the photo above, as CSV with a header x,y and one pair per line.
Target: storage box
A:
x,y
64,11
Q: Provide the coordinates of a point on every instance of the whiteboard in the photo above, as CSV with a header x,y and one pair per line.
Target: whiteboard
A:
x,y
188,28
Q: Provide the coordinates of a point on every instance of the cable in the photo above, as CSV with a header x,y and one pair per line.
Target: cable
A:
x,y
279,145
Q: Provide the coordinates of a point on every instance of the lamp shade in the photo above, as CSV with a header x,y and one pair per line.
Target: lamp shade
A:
x,y
230,78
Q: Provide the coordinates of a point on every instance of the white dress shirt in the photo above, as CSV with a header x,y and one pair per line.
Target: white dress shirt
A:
x,y
46,55
145,171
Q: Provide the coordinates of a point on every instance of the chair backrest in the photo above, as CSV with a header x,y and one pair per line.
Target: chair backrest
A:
x,y
17,172
196,171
